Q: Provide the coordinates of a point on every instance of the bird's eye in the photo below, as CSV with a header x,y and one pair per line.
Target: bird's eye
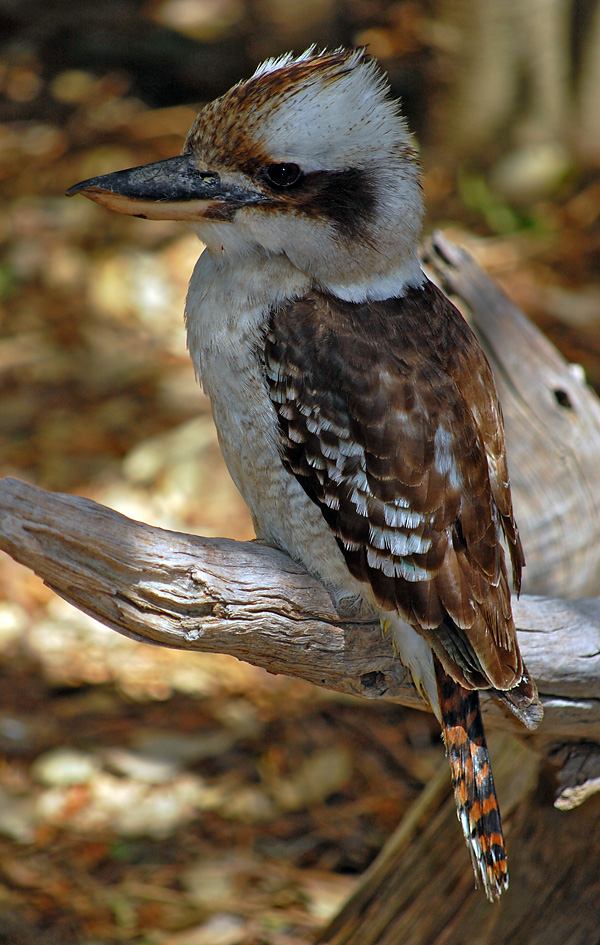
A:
x,y
283,175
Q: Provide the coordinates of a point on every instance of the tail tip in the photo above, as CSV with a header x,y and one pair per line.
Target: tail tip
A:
x,y
488,857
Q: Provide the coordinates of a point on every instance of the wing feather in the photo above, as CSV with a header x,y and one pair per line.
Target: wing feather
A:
x,y
391,423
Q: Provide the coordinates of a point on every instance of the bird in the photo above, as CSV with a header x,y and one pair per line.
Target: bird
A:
x,y
355,409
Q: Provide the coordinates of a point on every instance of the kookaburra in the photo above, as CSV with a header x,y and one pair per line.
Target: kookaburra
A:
x,y
354,407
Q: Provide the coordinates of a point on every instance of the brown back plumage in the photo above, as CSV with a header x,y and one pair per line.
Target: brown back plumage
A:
x,y
392,425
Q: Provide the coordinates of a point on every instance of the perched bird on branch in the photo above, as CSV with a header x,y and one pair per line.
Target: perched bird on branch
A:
x,y
355,409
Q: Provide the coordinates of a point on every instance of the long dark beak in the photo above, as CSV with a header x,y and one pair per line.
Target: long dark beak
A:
x,y
167,190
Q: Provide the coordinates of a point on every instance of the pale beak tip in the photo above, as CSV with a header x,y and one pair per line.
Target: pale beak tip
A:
x,y
79,188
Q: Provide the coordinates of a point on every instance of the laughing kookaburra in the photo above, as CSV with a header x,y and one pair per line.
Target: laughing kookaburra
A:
x,y
355,410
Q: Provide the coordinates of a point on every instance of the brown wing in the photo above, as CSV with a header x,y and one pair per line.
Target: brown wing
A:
x,y
391,423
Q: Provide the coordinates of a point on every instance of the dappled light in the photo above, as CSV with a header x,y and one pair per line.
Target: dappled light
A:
x,y
163,797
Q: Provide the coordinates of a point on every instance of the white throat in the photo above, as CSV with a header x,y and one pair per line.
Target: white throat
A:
x,y
229,301
392,284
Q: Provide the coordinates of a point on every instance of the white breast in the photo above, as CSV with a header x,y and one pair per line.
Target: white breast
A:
x,y
227,310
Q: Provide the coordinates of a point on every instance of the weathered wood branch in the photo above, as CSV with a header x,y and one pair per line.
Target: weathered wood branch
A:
x,y
255,603
552,423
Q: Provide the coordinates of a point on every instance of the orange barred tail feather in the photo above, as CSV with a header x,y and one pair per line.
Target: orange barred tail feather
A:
x,y
474,791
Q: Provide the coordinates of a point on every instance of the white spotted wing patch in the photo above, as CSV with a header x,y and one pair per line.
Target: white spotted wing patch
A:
x,y
392,533
446,457
381,424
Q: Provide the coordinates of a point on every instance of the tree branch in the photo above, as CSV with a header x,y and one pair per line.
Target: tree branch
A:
x,y
552,421
255,603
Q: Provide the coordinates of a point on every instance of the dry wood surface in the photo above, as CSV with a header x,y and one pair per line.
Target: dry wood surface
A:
x,y
255,603
552,421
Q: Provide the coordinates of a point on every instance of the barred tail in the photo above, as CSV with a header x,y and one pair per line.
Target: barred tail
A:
x,y
474,791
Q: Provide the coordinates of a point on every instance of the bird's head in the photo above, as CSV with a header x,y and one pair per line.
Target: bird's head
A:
x,y
309,158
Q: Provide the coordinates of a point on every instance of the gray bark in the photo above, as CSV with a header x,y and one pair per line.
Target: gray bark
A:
x,y
255,603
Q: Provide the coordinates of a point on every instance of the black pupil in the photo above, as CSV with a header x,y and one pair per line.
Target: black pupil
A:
x,y
283,175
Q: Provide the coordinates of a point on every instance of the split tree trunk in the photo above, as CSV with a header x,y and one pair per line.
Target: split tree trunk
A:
x,y
419,890
255,603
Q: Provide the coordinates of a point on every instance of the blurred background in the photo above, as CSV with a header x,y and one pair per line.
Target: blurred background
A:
x,y
158,797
